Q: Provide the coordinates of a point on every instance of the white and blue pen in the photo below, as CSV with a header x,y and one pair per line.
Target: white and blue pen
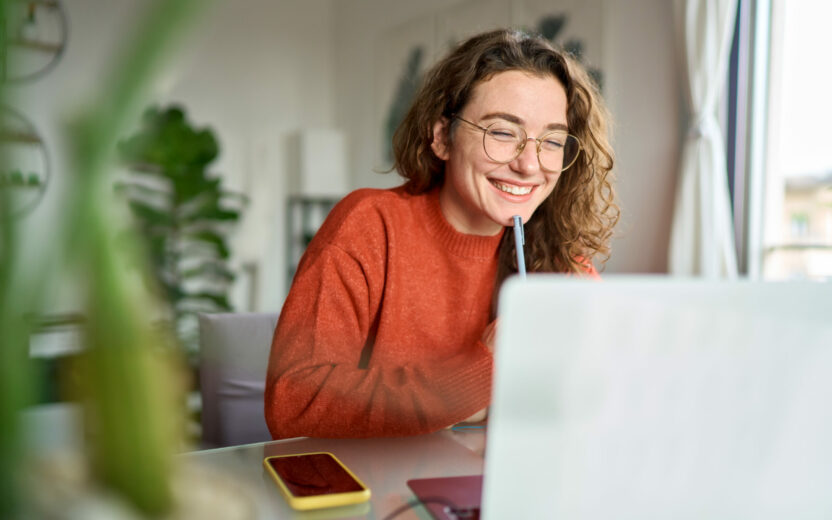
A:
x,y
519,240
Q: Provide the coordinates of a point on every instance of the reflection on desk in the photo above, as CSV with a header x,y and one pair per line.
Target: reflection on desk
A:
x,y
385,465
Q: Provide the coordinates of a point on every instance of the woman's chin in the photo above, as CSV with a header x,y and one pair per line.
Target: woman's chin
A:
x,y
507,220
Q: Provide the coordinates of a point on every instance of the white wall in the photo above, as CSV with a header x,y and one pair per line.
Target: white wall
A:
x,y
642,89
645,95
360,26
255,72
51,101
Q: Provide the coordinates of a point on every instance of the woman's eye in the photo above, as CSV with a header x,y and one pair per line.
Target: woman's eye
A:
x,y
503,134
553,144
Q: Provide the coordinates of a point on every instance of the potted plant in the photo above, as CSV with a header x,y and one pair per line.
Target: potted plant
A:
x,y
183,215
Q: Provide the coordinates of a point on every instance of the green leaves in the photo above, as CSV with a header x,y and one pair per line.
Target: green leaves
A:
x,y
168,141
182,211
149,215
19,179
214,270
211,238
131,390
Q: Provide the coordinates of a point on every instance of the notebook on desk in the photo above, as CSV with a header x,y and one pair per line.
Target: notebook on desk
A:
x,y
660,398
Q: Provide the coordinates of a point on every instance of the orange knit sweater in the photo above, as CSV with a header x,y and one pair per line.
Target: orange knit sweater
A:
x,y
380,333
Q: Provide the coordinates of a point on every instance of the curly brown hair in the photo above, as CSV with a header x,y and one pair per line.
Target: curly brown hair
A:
x,y
574,224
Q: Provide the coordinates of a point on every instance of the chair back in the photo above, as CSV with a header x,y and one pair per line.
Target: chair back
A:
x,y
234,354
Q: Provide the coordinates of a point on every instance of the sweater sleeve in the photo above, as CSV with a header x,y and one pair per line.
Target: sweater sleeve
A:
x,y
315,386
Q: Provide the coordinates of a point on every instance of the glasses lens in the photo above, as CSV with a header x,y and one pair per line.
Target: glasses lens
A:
x,y
502,141
558,151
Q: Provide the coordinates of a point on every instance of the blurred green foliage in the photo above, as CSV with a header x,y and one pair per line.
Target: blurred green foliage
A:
x,y
16,387
15,381
131,392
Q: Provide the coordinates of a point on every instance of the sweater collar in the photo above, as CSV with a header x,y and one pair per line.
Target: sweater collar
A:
x,y
474,246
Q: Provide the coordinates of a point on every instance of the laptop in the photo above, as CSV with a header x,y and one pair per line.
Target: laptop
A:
x,y
648,397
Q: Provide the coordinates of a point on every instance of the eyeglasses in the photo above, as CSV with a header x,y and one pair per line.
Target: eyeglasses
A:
x,y
504,141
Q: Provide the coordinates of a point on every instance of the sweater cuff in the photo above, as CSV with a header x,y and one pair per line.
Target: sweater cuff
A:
x,y
468,390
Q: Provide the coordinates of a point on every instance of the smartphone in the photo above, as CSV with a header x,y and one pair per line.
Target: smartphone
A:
x,y
315,480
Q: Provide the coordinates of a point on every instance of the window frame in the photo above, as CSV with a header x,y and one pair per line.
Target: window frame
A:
x,y
747,131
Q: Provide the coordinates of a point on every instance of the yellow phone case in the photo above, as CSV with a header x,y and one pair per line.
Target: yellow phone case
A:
x,y
320,501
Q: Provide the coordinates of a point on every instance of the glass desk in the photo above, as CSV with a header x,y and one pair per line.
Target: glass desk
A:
x,y
385,465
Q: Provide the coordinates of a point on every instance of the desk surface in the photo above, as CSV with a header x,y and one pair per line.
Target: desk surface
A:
x,y
385,465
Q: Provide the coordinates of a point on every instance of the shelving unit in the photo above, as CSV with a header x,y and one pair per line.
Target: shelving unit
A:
x,y
37,35
26,171
304,215
54,344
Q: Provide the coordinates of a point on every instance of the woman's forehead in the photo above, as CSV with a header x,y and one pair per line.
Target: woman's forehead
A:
x,y
530,98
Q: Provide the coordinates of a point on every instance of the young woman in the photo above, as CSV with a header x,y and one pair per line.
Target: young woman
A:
x,y
388,327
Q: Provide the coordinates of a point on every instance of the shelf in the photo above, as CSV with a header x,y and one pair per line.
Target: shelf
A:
x,y
304,215
50,4
47,47
19,137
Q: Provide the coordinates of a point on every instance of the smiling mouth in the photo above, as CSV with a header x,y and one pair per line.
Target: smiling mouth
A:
x,y
512,189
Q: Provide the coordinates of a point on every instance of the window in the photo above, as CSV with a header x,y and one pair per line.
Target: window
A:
x,y
788,231
799,226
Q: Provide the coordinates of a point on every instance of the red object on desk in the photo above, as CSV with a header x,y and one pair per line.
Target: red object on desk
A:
x,y
450,498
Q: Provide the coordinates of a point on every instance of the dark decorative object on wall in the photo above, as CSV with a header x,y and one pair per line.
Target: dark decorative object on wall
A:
x,y
35,33
183,214
406,89
26,168
551,26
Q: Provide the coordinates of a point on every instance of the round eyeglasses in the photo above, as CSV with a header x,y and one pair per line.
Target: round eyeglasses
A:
x,y
504,141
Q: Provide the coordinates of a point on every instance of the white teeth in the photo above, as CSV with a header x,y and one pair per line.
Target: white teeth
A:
x,y
514,190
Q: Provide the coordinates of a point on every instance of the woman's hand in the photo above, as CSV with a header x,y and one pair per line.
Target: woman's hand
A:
x,y
477,417
489,335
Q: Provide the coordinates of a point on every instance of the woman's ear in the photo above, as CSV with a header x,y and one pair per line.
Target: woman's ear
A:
x,y
439,145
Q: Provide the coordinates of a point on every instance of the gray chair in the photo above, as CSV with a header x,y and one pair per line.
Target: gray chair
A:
x,y
234,353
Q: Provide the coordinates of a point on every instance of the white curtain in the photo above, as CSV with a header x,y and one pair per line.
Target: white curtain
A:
x,y
702,236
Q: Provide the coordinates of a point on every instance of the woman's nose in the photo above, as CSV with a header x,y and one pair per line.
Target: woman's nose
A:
x,y
526,161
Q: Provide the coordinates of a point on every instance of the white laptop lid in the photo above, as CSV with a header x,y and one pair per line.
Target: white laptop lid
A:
x,y
661,398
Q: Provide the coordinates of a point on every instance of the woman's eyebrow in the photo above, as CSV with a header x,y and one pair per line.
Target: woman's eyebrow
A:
x,y
516,120
504,115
